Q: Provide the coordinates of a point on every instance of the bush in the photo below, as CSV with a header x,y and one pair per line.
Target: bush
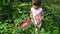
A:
x,y
14,13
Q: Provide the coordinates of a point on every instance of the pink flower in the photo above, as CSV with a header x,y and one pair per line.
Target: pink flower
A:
x,y
24,25
28,21
25,19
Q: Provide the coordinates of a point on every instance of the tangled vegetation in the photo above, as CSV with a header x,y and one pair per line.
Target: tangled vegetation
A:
x,y
12,12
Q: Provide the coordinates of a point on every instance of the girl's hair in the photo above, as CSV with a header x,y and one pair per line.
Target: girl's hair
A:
x,y
36,3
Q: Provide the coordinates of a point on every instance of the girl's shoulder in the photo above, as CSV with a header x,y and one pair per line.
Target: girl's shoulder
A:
x,y
40,8
32,8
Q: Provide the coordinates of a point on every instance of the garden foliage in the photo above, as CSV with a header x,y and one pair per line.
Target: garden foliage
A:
x,y
13,12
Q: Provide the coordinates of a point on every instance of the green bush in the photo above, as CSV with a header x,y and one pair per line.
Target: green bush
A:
x,y
14,12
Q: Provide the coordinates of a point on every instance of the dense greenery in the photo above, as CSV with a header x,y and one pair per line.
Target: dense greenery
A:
x,y
54,1
12,12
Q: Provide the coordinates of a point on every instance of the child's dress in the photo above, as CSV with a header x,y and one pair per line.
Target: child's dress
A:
x,y
36,15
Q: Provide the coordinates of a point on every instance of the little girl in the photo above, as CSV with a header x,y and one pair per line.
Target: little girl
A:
x,y
36,14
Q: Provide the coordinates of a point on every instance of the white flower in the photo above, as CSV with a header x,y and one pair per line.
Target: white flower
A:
x,y
0,22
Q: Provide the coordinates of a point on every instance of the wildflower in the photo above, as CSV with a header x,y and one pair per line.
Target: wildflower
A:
x,y
0,22
24,25
25,19
16,25
28,21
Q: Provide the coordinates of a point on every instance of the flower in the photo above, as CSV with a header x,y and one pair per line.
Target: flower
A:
x,y
25,19
24,25
28,21
16,25
0,22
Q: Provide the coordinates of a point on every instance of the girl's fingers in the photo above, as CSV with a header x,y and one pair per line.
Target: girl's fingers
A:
x,y
38,26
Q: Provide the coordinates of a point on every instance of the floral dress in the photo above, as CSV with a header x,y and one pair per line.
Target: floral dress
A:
x,y
36,15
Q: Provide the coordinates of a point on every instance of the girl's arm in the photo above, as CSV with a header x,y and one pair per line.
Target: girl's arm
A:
x,y
30,15
42,16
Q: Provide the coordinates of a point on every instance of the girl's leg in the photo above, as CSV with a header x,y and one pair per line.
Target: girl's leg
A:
x,y
39,26
36,31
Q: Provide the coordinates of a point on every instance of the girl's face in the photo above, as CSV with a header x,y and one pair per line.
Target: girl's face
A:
x,y
35,7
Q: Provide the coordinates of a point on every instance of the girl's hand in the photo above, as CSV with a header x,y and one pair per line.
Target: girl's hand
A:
x,y
38,22
38,26
31,16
